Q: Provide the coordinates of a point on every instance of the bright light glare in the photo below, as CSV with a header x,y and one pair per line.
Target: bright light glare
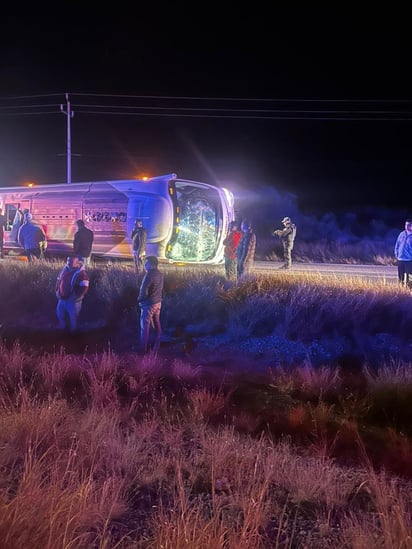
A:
x,y
142,177
229,197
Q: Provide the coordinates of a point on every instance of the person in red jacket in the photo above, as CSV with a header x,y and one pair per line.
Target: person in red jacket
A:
x,y
72,285
230,243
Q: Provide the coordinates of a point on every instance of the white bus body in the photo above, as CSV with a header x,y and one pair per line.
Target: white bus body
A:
x,y
186,221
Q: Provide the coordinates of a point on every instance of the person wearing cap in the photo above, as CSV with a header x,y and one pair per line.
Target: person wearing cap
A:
x,y
139,238
287,236
403,254
72,284
32,238
245,252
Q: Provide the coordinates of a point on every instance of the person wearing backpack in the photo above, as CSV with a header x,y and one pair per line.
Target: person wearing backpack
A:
x,y
72,284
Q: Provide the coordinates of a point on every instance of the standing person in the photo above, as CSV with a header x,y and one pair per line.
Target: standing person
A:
x,y
32,238
245,252
83,242
403,253
150,303
287,235
17,223
139,238
2,228
231,243
72,285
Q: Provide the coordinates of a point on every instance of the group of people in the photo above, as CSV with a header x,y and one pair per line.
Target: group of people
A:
x,y
239,251
32,237
72,282
240,245
25,232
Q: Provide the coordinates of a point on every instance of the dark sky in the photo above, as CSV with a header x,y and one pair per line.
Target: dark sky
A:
x,y
336,132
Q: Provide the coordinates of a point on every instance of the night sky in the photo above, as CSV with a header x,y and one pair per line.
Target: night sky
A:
x,y
316,103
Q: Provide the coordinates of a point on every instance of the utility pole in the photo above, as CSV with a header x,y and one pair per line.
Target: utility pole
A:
x,y
69,113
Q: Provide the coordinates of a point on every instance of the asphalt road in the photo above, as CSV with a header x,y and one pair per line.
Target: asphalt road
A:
x,y
369,272
379,273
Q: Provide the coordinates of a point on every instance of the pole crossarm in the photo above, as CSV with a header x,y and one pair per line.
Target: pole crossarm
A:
x,y
69,114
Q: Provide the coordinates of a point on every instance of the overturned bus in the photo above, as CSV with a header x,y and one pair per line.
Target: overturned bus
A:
x,y
186,221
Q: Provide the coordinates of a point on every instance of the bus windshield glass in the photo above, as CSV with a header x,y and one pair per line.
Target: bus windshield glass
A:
x,y
200,221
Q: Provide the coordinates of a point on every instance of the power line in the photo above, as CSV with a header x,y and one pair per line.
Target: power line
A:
x,y
29,106
27,113
31,96
241,114
250,117
258,99
196,111
210,109
202,98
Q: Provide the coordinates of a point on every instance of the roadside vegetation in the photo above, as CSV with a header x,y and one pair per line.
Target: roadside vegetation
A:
x,y
277,413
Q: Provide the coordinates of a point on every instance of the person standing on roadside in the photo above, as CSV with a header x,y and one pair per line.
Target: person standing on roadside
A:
x,y
403,254
83,242
139,238
32,238
245,252
72,284
231,243
150,303
287,236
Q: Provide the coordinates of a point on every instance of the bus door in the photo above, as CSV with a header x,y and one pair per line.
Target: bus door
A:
x,y
13,212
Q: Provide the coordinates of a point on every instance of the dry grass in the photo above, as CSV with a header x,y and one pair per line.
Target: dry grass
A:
x,y
169,462
293,432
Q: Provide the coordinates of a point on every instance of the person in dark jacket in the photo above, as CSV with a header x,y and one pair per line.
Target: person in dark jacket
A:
x,y
139,238
287,236
245,252
72,285
83,242
32,238
150,303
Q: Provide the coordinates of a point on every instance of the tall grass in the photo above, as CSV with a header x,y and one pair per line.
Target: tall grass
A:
x,y
277,414
139,456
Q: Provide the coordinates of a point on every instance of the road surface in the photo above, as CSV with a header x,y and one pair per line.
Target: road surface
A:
x,y
369,272
379,273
